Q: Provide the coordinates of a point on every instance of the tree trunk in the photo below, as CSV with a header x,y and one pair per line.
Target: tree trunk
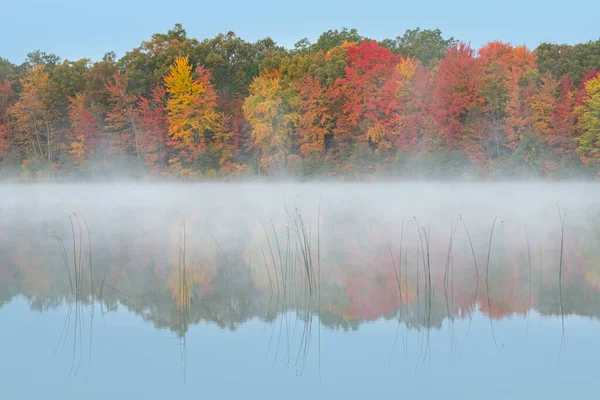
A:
x,y
135,133
48,141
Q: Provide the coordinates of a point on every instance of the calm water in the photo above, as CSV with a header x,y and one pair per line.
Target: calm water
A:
x,y
222,291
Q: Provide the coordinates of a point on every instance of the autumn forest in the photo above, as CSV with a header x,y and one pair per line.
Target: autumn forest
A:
x,y
346,106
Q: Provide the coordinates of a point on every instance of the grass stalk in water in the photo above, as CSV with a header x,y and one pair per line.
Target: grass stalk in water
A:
x,y
487,285
186,297
285,295
530,278
269,311
561,277
319,278
278,291
476,273
446,281
397,274
87,227
303,247
427,281
78,296
399,306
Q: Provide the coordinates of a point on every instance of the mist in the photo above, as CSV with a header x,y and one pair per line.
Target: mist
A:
x,y
422,260
240,232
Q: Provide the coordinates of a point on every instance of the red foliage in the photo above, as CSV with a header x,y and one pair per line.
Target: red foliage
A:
x,y
85,127
153,125
459,101
89,129
513,60
121,117
564,125
367,91
592,74
237,124
419,125
315,120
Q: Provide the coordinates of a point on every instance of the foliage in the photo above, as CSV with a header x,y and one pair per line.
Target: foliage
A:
x,y
33,115
427,46
589,124
272,117
572,60
345,105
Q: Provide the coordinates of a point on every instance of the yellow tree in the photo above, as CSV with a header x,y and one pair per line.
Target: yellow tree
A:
x,y
191,105
542,103
272,118
315,120
195,125
33,115
589,123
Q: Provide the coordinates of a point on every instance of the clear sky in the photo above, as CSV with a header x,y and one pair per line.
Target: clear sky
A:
x,y
74,29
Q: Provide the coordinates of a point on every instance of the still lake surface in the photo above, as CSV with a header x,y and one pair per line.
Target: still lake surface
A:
x,y
460,290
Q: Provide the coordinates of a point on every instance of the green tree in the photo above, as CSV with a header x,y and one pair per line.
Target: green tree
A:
x,y
98,74
147,64
426,45
67,79
7,70
334,38
232,61
38,57
563,59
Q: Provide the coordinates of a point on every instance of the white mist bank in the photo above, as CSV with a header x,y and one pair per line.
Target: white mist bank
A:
x,y
224,208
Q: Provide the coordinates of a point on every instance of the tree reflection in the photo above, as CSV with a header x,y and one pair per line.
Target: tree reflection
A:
x,y
176,277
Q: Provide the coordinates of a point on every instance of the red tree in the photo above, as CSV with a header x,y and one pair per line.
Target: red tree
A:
x,y
85,129
315,120
459,102
153,126
368,94
563,131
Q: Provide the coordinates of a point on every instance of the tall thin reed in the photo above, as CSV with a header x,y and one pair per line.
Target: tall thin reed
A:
x,y
487,286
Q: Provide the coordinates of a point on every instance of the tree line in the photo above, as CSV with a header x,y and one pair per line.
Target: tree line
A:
x,y
345,105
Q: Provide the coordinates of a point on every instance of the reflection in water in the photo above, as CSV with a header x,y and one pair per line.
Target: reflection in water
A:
x,y
302,260
76,284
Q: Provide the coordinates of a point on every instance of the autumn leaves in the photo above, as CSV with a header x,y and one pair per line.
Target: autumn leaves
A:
x,y
344,105
589,122
493,107
194,124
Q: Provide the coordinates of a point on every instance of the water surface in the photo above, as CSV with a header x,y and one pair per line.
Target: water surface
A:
x,y
296,290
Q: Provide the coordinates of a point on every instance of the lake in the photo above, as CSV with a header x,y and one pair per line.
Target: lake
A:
x,y
288,290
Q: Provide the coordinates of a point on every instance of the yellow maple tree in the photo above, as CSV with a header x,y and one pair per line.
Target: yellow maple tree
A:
x,y
192,103
33,115
589,123
272,114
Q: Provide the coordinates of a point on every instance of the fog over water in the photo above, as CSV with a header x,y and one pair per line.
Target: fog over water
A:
x,y
462,290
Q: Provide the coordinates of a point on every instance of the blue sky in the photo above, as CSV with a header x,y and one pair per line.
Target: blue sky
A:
x,y
74,29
